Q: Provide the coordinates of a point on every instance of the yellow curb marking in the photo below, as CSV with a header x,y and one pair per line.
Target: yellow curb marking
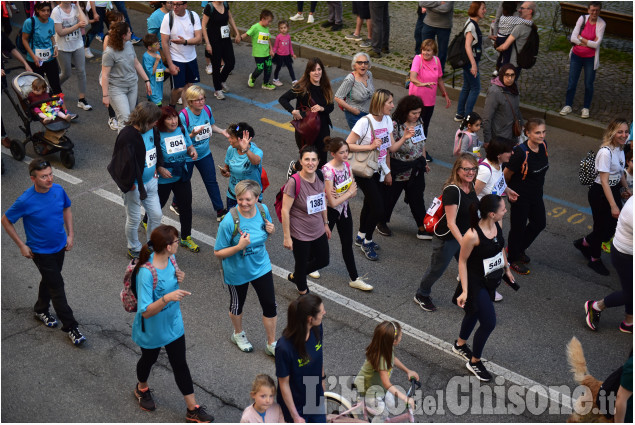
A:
x,y
285,125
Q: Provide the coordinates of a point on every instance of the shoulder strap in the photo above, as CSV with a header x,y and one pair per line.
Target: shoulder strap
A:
x,y
372,130
171,19
191,17
236,220
297,179
187,117
148,265
173,261
208,110
261,209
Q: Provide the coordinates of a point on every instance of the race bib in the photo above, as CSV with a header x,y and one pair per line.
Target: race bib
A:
x,y
383,149
159,75
151,158
493,263
436,203
418,137
500,186
224,31
174,144
72,36
263,38
206,132
43,54
316,203
343,186
614,179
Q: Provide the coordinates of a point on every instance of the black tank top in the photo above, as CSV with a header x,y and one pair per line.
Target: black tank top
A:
x,y
486,261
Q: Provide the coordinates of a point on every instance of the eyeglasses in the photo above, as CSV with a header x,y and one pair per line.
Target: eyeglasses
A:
x,y
509,75
202,99
362,62
39,166
469,170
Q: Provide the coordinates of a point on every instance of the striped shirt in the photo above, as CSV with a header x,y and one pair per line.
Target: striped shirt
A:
x,y
359,96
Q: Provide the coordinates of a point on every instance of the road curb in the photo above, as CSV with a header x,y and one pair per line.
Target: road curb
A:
x,y
574,124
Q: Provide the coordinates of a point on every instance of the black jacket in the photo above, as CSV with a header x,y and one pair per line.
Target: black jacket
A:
x,y
128,159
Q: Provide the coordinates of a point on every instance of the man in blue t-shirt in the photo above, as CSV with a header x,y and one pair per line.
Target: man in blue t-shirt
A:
x,y
45,209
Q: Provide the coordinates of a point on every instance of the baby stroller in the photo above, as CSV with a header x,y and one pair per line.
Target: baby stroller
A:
x,y
52,140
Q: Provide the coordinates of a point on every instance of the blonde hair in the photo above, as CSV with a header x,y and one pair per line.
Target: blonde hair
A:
x,y
262,380
611,131
247,185
454,175
380,97
192,93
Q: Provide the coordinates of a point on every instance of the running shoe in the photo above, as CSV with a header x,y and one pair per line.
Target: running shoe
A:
x,y
592,316
627,329
425,303
81,103
250,81
134,39
209,69
219,95
277,83
270,349
366,43
87,53
174,208
146,402
113,124
585,250
497,297
458,118
584,113
462,350
225,87
353,37
369,251
242,342
310,19
100,36
47,318
479,371
327,24
383,229
220,214
606,246
423,235
598,267
360,284
189,244
519,267
198,415
297,17
315,274
76,336
133,254
268,86
566,110
337,27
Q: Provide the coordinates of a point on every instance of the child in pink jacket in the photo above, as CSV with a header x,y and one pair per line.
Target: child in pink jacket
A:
x,y
264,409
283,53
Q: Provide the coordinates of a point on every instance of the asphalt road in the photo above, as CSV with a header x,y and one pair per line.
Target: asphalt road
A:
x,y
46,379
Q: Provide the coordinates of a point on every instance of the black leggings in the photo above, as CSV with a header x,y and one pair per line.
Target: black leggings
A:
x,y
486,316
345,230
222,52
52,72
183,199
528,218
426,116
373,208
603,222
286,61
176,355
266,295
623,263
414,198
309,256
262,64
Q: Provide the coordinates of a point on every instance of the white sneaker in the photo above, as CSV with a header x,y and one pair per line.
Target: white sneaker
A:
x,y
566,110
498,297
584,113
315,275
241,341
114,125
209,69
219,95
87,53
277,83
310,20
270,349
83,105
294,82
225,88
297,17
180,101
360,284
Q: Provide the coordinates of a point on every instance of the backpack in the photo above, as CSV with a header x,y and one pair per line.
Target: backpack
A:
x,y
526,58
187,116
278,202
128,294
436,212
588,173
458,137
457,56
171,18
524,168
18,38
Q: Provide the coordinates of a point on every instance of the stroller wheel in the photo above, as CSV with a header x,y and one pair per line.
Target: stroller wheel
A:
x,y
67,158
17,150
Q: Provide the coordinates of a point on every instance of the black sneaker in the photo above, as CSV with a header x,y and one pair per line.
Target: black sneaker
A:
x,y
627,329
598,267
47,318
383,229
524,258
423,235
592,316
585,250
462,350
519,267
479,370
199,414
425,303
327,24
220,214
146,402
76,336
337,27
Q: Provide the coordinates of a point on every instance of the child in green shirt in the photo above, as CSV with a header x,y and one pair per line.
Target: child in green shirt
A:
x,y
261,49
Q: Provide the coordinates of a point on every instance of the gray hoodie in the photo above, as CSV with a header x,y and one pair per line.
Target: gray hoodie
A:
x,y
497,114
438,13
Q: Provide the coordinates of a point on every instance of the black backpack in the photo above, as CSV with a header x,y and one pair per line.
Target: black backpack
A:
x,y
526,58
457,56
18,38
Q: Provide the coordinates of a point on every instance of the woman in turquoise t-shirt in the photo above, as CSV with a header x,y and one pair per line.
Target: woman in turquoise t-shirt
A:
x,y
240,245
158,321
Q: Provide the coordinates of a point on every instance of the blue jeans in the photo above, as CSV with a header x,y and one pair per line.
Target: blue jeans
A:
x,y
469,92
351,119
207,169
231,203
133,203
443,39
418,30
442,253
575,68
121,7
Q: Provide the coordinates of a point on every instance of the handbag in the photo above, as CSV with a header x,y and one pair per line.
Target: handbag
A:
x,y
364,164
309,126
516,128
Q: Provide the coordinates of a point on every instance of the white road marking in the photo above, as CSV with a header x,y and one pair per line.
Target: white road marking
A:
x,y
56,171
513,377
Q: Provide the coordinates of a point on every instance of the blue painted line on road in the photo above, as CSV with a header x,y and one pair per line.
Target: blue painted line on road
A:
x,y
584,210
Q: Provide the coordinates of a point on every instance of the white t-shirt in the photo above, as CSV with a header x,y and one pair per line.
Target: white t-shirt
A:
x,y
494,180
610,160
383,130
623,239
182,26
69,42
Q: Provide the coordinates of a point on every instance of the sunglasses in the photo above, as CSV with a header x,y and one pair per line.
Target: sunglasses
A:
x,y
362,62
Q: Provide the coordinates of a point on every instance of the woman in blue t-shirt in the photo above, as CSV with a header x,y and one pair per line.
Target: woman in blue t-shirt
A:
x,y
240,245
299,361
40,45
243,159
158,321
199,122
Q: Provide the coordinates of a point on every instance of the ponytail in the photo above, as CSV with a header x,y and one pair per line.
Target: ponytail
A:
x,y
479,211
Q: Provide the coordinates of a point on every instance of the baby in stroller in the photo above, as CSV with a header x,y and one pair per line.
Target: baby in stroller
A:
x,y
50,108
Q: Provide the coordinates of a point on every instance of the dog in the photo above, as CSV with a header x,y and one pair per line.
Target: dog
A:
x,y
581,411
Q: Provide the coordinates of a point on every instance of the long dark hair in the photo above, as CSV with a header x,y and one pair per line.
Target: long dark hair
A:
x,y
405,105
300,309
382,344
304,84
488,204
160,238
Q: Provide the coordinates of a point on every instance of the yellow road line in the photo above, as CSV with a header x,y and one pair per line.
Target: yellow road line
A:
x,y
285,125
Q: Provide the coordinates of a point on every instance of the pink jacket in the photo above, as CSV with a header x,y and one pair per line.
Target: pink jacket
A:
x,y
282,45
272,415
